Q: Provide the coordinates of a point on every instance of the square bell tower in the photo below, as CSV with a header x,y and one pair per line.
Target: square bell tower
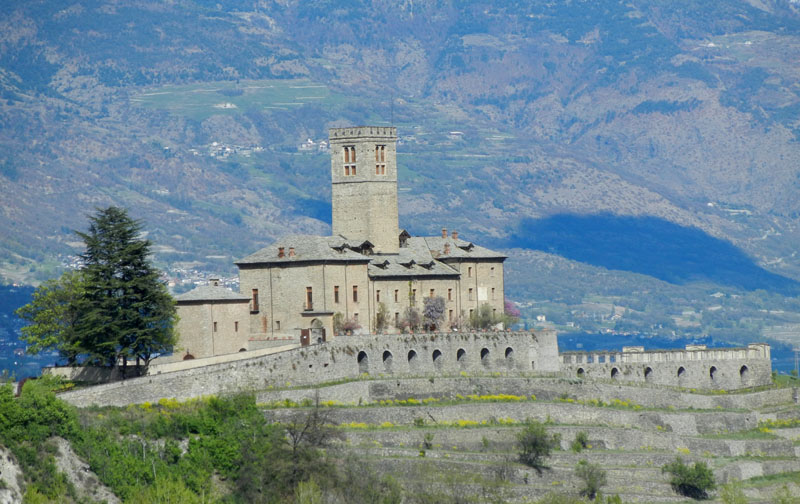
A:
x,y
364,185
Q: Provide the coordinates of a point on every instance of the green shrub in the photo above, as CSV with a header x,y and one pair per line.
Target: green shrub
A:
x,y
535,444
693,481
593,478
732,493
580,442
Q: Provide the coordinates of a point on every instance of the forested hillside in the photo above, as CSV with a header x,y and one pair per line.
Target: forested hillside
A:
x,y
196,116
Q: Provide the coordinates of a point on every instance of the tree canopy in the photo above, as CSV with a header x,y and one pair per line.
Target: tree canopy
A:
x,y
115,308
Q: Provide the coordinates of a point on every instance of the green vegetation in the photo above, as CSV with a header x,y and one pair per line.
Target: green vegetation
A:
x,y
114,308
580,443
693,481
593,478
535,444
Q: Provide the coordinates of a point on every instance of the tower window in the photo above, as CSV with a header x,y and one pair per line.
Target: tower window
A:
x,y
236,326
378,296
396,291
349,160
355,293
335,293
432,292
215,327
309,299
380,160
449,294
470,294
254,308
469,272
492,292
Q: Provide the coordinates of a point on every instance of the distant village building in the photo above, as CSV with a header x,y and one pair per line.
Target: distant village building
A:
x,y
293,289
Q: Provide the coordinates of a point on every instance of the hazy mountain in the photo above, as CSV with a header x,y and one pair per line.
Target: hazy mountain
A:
x,y
192,114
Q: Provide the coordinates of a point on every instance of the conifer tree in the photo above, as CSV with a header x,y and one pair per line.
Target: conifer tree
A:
x,y
126,312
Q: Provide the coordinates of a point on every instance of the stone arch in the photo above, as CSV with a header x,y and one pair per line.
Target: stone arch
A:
x,y
614,373
412,359
485,356
712,373
681,372
648,373
437,358
363,362
581,373
387,361
509,353
188,356
242,349
744,374
461,356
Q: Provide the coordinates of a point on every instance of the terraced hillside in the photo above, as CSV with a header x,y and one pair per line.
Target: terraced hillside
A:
x,y
457,445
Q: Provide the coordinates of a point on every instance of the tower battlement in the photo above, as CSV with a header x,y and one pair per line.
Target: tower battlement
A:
x,y
354,132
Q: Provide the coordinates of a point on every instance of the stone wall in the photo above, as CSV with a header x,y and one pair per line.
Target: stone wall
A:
x,y
342,358
694,367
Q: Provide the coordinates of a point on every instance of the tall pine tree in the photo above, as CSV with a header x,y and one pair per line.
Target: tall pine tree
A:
x,y
126,312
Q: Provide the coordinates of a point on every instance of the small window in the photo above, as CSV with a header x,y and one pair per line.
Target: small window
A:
x,y
380,160
450,316
492,292
413,296
355,317
396,292
491,271
378,296
335,293
236,326
254,308
309,299
470,294
349,160
278,325
355,293
449,294
469,272
432,292
215,327
396,319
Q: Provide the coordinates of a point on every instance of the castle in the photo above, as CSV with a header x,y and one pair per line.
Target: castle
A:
x,y
367,274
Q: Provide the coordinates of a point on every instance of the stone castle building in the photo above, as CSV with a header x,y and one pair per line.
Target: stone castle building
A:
x,y
295,288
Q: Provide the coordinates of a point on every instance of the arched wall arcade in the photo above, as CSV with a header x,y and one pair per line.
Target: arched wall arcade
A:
x,y
694,367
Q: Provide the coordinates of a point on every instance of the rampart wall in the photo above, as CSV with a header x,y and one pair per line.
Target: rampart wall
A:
x,y
345,357
693,367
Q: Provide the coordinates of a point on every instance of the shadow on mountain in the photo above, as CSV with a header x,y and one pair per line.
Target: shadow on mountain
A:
x,y
650,246
314,208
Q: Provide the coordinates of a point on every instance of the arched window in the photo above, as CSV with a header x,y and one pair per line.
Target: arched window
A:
x,y
681,372
437,358
485,356
581,373
648,373
614,373
712,373
387,361
412,359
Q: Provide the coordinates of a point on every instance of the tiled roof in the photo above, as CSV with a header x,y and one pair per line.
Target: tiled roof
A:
x,y
211,293
307,248
459,249
414,260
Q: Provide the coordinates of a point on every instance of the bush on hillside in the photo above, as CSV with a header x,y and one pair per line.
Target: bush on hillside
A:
x,y
693,481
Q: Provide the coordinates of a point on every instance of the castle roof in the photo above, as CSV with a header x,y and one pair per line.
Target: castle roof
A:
x,y
211,293
459,249
308,248
413,260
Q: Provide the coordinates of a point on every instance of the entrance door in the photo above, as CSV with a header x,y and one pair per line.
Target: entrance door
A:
x,y
304,337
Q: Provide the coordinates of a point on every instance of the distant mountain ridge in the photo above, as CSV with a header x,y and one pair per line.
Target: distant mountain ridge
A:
x,y
683,111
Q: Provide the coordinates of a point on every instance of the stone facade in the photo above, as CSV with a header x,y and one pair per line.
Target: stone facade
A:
x,y
695,366
295,287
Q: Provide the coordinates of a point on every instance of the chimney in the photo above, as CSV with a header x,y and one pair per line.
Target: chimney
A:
x,y
455,235
291,251
213,282
444,232
446,249
280,251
